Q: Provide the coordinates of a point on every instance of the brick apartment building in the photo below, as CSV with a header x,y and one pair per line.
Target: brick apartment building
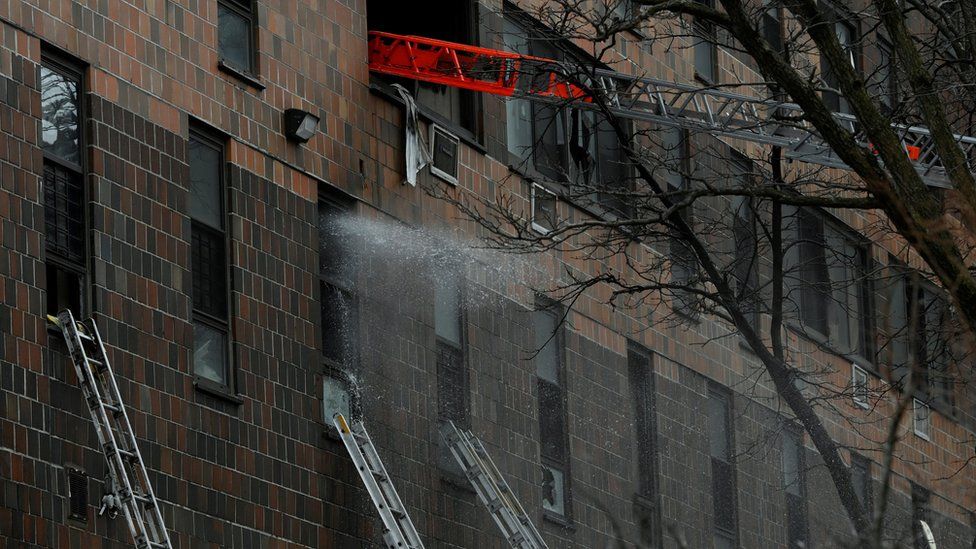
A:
x,y
249,286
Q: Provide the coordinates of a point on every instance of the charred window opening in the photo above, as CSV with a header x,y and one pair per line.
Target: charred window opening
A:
x,y
456,21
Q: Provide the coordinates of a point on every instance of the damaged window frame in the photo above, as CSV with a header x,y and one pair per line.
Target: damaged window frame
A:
x,y
556,150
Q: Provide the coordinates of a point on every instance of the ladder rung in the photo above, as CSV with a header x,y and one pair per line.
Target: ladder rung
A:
x,y
123,453
116,409
97,364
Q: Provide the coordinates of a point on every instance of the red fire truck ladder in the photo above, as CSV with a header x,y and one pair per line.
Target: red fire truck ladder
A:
x,y
714,111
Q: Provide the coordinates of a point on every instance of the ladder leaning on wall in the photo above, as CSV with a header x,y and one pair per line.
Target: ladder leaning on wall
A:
x,y
127,470
398,529
492,489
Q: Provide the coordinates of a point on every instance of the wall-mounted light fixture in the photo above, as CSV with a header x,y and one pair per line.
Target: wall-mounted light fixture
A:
x,y
300,125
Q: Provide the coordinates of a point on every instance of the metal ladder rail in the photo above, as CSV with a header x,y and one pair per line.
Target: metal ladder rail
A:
x,y
492,489
141,510
399,531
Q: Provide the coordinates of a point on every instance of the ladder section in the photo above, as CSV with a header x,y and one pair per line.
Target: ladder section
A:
x,y
493,490
115,435
706,109
398,529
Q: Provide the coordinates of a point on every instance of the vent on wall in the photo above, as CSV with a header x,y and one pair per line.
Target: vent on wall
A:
x,y
444,154
77,494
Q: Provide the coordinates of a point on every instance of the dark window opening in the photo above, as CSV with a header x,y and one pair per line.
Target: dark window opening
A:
x,y
456,21
861,479
65,227
235,33
745,256
772,25
209,264
339,312
920,512
847,35
794,484
77,494
675,164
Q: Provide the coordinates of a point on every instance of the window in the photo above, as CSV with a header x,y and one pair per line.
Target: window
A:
x,y
544,216
859,386
684,263
452,374
772,26
235,34
720,444
645,426
553,422
706,50
920,512
884,84
918,340
794,484
861,479
834,289
745,257
77,494
921,419
62,141
340,319
562,144
455,22
847,36
209,265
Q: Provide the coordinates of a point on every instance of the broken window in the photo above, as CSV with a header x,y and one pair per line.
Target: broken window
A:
x,y
553,423
559,143
63,189
209,265
339,312
455,21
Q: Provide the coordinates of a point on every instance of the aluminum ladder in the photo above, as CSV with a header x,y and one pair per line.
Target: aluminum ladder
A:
x,y
115,435
494,492
398,529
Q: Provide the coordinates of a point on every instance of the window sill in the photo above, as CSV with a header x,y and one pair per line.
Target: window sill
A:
x,y
463,134
559,520
242,75
216,390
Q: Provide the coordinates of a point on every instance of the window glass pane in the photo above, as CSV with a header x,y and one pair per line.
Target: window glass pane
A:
x,y
59,115
335,399
234,37
718,436
553,490
209,272
447,307
705,58
206,205
209,353
64,214
547,344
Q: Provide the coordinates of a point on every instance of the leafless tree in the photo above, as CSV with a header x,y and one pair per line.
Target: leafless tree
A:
x,y
729,235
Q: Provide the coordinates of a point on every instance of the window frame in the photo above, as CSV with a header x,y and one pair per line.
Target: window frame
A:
x,y
861,400
859,462
709,39
837,14
561,463
748,289
247,10
209,137
72,69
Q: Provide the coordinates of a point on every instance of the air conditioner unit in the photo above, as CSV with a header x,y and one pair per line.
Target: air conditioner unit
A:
x,y
444,154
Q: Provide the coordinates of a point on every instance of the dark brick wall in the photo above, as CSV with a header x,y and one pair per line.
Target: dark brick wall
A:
x,y
262,468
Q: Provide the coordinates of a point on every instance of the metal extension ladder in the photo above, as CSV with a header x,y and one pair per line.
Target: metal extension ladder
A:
x,y
492,489
115,435
398,529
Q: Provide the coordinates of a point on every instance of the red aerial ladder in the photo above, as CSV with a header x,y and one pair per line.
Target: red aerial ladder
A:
x,y
718,112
